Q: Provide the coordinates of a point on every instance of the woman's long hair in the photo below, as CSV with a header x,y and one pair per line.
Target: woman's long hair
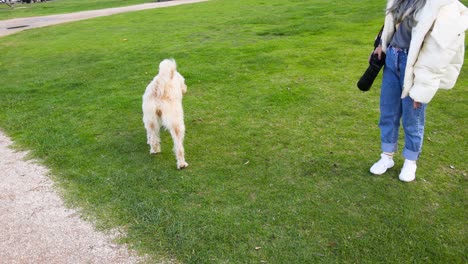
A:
x,y
399,12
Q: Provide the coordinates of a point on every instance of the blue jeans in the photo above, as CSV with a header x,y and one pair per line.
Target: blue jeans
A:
x,y
393,108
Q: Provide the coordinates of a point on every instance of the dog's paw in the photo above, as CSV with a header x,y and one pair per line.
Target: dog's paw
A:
x,y
182,165
155,150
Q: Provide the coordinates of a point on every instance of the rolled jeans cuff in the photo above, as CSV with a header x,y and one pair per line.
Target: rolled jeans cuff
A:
x,y
389,147
410,155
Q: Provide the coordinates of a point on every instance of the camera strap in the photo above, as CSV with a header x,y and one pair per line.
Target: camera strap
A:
x,y
378,38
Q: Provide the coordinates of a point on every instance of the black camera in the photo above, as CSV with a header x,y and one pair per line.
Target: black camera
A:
x,y
367,79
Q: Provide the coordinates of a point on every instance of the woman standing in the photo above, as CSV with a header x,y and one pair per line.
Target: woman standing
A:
x,y
424,45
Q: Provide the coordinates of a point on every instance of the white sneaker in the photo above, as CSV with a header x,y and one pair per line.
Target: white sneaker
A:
x,y
381,166
408,172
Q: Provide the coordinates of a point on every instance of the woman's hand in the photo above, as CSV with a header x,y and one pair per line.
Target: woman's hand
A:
x,y
416,105
378,51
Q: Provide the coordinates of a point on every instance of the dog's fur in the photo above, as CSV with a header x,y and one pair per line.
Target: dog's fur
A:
x,y
162,106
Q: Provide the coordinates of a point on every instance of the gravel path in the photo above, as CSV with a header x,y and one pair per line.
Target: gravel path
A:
x,y
8,27
35,225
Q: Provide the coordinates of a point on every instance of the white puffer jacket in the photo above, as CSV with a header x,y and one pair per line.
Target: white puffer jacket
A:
x,y
437,47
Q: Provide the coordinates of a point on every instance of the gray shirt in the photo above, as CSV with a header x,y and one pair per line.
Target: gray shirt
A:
x,y
402,37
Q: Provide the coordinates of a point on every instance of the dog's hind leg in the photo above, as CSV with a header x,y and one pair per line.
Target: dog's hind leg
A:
x,y
152,133
178,133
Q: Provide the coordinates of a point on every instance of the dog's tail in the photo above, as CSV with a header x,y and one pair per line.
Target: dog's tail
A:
x,y
167,70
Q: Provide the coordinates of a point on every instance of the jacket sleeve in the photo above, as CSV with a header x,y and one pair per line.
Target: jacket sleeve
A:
x,y
441,47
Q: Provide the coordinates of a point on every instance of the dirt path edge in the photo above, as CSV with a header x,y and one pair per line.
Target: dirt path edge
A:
x,y
36,226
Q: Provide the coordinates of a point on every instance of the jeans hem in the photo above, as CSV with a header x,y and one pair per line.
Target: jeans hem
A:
x,y
410,155
389,147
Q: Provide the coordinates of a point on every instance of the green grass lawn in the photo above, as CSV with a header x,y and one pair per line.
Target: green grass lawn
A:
x,y
279,139
61,6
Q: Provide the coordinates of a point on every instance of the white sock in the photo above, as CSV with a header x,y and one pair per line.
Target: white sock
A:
x,y
389,154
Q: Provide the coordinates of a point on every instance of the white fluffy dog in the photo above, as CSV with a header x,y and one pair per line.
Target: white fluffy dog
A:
x,y
162,106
